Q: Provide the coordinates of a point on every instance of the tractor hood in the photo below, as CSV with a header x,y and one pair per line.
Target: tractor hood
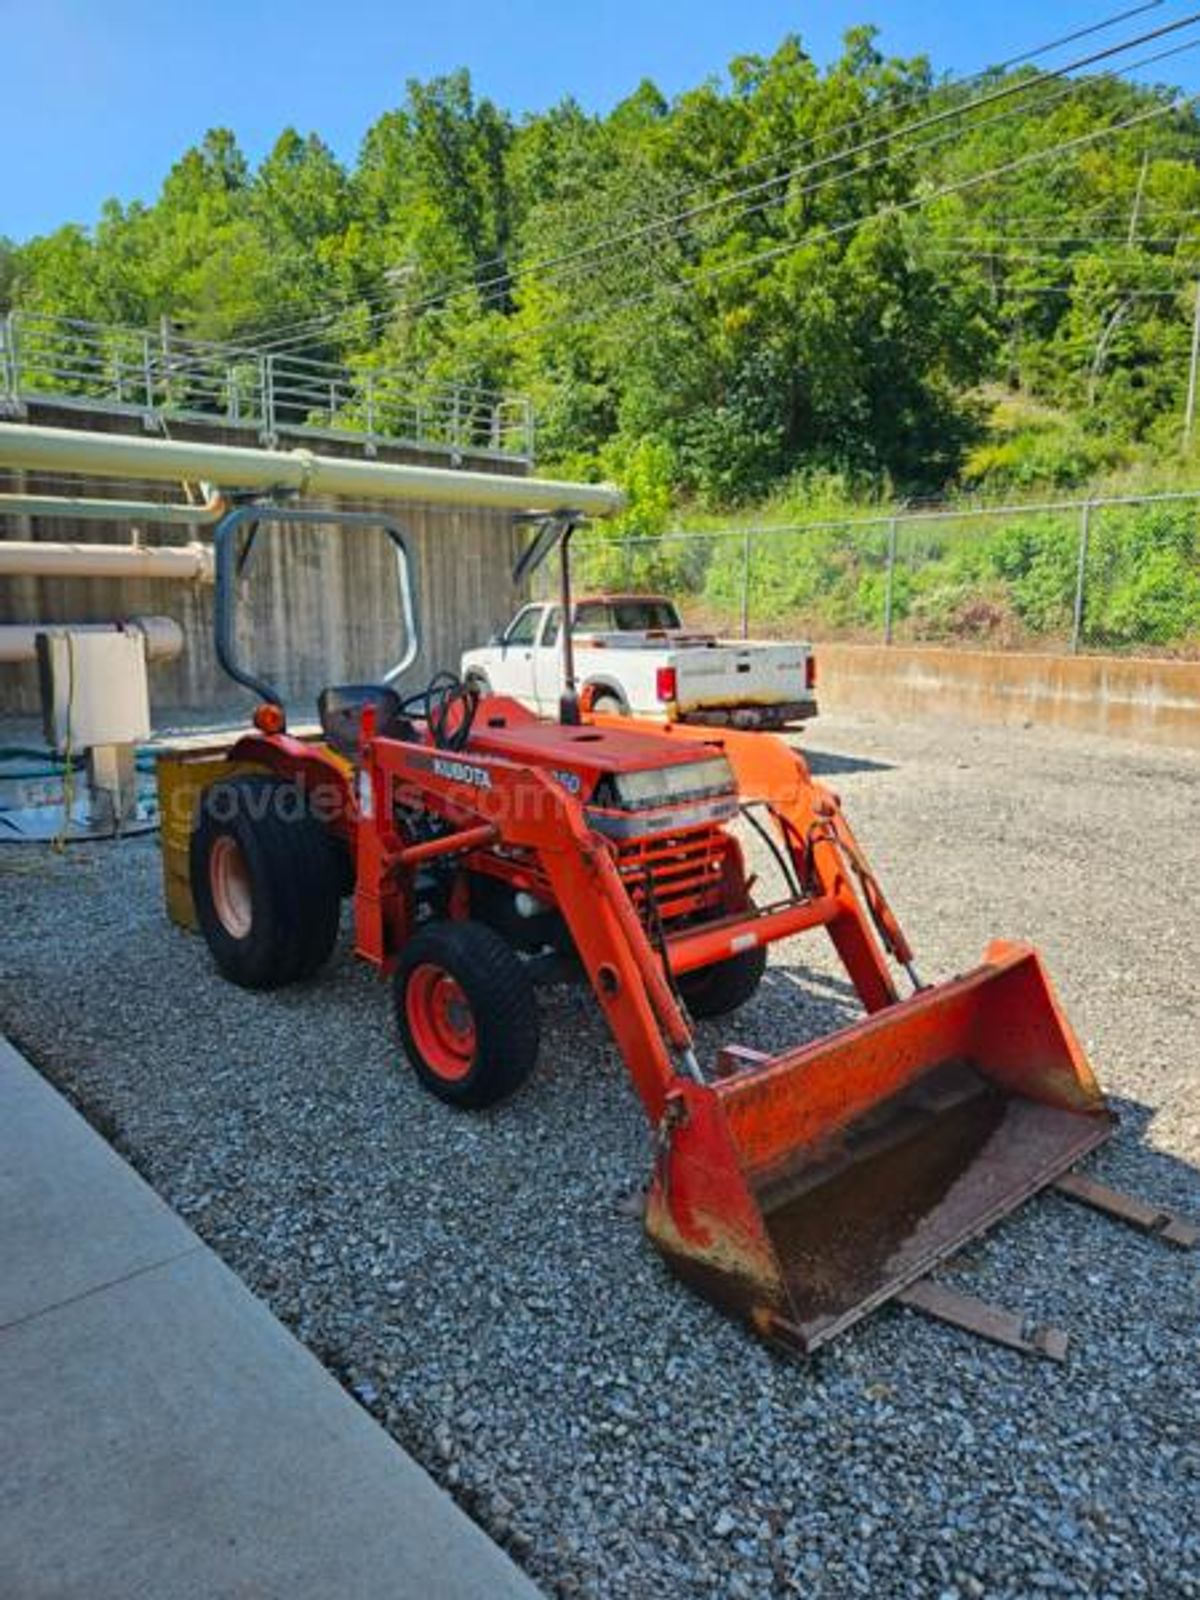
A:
x,y
514,733
612,769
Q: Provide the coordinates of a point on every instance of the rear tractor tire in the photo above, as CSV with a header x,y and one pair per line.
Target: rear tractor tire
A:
x,y
467,1013
714,991
266,881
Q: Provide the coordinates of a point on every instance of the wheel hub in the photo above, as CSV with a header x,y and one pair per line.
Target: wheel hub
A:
x,y
229,882
441,1021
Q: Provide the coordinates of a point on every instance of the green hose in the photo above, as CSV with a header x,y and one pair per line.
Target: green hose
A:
x,y
52,766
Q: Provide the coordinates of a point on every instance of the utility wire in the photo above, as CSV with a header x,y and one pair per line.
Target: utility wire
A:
x,y
947,86
999,252
1069,289
885,160
868,118
1008,238
503,283
302,331
821,236
956,134
1072,38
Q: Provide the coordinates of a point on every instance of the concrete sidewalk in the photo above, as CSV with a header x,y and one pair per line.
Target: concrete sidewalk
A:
x,y
162,1436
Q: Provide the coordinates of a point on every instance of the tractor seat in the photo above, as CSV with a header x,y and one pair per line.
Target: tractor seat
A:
x,y
340,709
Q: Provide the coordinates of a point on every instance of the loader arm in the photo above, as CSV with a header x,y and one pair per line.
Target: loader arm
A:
x,y
529,811
801,1188
526,811
823,851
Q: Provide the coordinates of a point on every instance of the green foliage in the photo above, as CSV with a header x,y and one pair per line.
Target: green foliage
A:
x,y
8,272
998,580
820,578
1054,454
717,301
1144,576
647,470
1036,559
629,549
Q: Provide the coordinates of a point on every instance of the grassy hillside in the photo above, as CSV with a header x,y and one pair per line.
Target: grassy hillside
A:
x,y
784,277
790,293
819,556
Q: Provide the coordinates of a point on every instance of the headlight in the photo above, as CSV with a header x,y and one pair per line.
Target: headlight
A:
x,y
663,786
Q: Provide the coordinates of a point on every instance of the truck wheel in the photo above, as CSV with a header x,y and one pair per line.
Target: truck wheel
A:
x,y
467,1013
726,985
607,704
478,683
265,881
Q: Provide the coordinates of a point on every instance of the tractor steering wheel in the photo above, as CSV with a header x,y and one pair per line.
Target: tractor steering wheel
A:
x,y
448,707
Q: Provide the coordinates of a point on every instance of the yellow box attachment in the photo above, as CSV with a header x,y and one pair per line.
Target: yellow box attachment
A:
x,y
183,772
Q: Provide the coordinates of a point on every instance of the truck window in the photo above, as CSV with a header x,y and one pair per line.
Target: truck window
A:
x,y
550,631
641,616
593,616
524,626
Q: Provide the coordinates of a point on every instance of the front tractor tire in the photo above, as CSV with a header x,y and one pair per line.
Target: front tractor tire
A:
x,y
715,991
266,881
467,1013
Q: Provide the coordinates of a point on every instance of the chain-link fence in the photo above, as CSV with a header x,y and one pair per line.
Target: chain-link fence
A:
x,y
1107,574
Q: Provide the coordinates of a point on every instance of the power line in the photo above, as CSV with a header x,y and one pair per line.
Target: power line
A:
x,y
824,235
1009,237
920,148
1067,289
866,119
503,282
1087,218
945,87
1072,38
907,148
998,250
808,142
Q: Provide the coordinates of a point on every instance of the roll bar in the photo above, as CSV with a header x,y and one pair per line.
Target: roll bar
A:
x,y
230,561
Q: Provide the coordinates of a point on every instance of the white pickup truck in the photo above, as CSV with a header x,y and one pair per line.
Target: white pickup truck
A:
x,y
634,656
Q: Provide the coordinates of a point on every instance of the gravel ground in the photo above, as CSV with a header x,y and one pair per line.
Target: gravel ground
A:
x,y
481,1284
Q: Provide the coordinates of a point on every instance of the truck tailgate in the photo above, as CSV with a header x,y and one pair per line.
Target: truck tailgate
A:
x,y
728,674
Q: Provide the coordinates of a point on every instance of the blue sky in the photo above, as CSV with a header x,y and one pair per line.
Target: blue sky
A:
x,y
100,96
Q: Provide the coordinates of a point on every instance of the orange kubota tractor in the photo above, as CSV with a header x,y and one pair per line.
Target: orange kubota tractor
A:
x,y
484,848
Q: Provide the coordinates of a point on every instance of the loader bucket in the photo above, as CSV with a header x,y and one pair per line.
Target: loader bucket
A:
x,y
805,1192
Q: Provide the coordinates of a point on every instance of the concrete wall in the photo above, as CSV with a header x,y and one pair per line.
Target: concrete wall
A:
x,y
1140,699
317,610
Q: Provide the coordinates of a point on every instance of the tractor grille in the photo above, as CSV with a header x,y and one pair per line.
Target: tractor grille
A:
x,y
685,869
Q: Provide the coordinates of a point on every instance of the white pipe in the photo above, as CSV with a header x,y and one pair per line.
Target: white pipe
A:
x,y
36,558
210,510
23,445
163,636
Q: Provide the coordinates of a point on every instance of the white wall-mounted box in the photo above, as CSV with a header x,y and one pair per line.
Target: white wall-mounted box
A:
x,y
94,688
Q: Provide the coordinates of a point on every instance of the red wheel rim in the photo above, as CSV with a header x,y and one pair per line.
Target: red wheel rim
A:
x,y
229,885
440,1021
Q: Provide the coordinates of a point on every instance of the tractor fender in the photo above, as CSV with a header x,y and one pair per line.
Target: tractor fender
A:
x,y
327,779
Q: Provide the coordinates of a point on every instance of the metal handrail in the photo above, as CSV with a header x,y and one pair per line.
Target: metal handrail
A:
x,y
164,376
